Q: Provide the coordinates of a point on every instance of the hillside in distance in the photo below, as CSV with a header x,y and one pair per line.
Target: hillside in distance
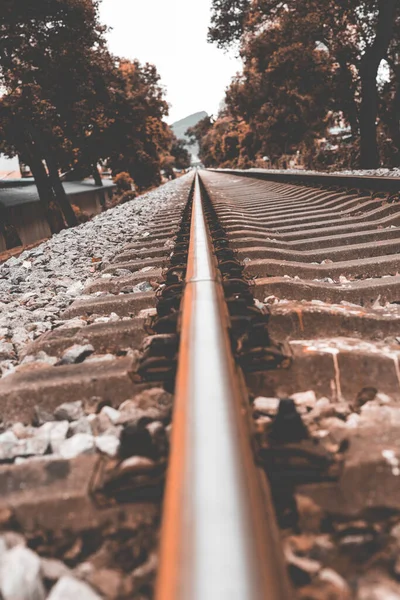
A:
x,y
180,127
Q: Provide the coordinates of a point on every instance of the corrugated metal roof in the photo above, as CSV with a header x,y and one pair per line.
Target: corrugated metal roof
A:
x,y
26,194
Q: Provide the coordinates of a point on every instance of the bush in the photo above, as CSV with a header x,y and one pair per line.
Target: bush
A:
x,y
124,182
127,196
80,215
120,198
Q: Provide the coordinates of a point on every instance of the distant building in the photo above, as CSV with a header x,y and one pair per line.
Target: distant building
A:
x,y
9,168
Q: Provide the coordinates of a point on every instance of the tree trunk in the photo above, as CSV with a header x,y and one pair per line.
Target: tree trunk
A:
x,y
346,92
98,181
369,65
30,152
61,196
369,155
96,175
396,112
52,211
391,113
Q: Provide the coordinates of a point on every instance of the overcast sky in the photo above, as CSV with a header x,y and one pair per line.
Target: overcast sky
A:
x,y
173,35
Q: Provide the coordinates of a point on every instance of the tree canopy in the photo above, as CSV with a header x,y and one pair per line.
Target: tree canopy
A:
x,y
343,42
68,104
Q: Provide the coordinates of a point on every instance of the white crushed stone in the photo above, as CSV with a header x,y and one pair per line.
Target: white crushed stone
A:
x,y
382,172
33,297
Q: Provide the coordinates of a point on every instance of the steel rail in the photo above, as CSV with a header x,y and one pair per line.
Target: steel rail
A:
x,y
371,183
219,539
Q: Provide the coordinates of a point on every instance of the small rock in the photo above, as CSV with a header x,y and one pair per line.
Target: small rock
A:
x,y
75,550
353,421
7,350
310,514
271,300
6,515
383,398
69,411
40,357
75,289
140,417
68,588
336,432
42,416
53,569
22,432
100,358
147,312
82,425
262,427
81,443
307,399
3,549
378,587
266,406
365,395
76,354
99,423
107,444
395,533
84,570
13,539
20,575
107,582
20,338
323,590
58,434
137,464
92,405
159,437
146,572
342,410
8,445
144,286
155,397
36,445
301,568
111,413
323,409
336,580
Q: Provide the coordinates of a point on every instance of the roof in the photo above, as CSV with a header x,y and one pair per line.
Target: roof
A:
x,y
26,193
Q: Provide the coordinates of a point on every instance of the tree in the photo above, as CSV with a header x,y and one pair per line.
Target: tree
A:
x,y
228,21
180,153
69,104
285,93
136,136
358,37
45,53
198,133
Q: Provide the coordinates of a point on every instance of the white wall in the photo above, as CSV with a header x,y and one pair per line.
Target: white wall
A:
x,y
8,164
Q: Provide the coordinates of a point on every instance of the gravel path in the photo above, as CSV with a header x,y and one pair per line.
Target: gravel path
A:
x,y
38,285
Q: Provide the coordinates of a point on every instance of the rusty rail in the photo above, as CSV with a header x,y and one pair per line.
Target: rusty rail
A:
x,y
219,537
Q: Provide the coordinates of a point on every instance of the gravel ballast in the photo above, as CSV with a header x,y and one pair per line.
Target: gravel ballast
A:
x,y
41,283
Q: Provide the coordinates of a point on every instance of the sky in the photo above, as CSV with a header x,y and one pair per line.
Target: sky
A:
x,y
173,35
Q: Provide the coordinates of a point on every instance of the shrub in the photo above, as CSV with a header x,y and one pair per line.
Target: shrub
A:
x,y
123,181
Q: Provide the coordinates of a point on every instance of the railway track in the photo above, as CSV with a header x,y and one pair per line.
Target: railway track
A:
x,y
267,325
